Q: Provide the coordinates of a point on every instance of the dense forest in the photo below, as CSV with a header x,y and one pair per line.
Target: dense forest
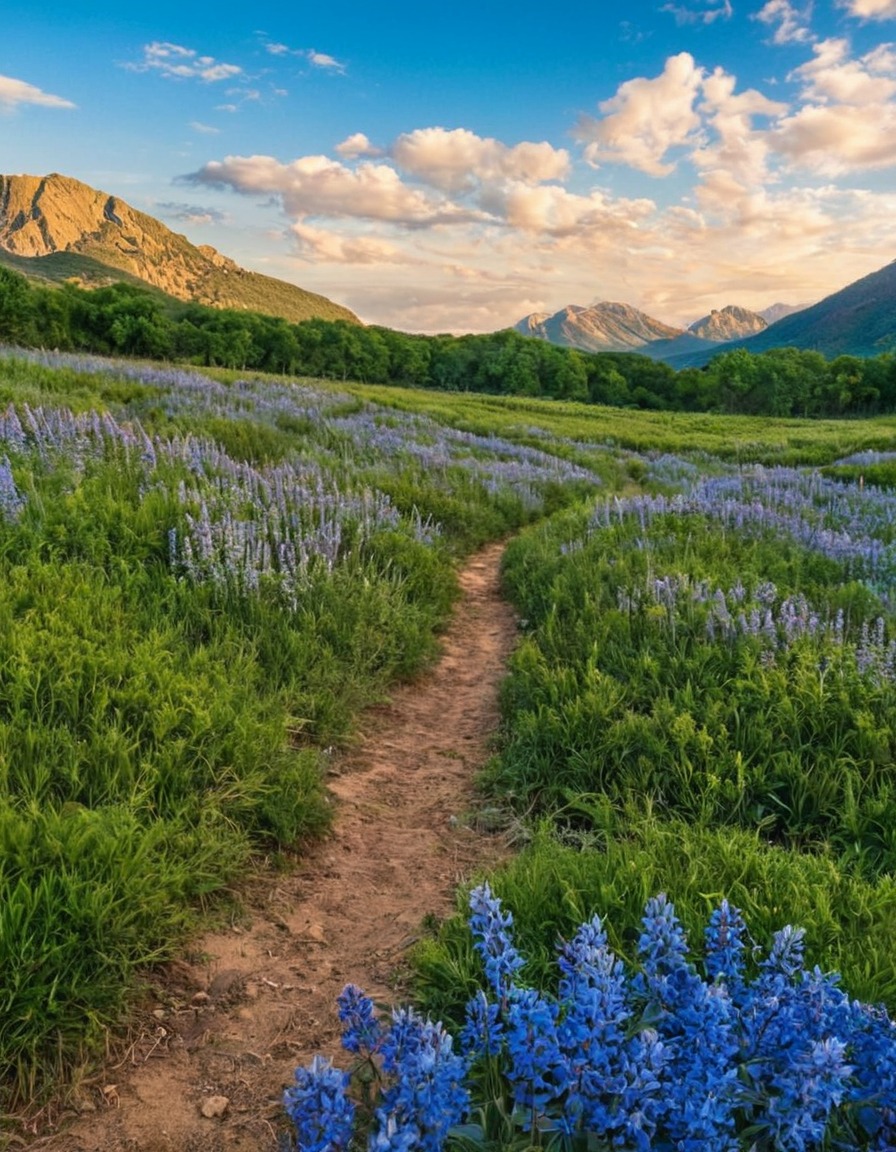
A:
x,y
128,320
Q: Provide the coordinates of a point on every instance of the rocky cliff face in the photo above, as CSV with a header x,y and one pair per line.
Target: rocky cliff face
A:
x,y
604,327
43,215
730,323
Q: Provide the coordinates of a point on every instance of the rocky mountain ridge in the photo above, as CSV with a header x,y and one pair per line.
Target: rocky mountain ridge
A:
x,y
728,323
614,327
605,327
42,217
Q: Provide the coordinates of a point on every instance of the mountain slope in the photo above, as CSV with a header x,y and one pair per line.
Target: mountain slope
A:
x,y
54,227
859,320
604,327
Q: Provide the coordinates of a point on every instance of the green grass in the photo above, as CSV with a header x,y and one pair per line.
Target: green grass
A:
x,y
739,439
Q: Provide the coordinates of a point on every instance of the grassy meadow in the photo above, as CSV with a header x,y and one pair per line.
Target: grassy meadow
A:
x,y
204,578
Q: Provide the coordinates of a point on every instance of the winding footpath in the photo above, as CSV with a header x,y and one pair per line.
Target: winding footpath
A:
x,y
227,1029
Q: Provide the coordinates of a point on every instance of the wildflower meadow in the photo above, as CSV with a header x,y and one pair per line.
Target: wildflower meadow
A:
x,y
205,578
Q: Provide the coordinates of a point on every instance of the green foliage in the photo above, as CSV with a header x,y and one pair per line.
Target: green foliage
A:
x,y
656,759
267,330
602,437
622,702
553,887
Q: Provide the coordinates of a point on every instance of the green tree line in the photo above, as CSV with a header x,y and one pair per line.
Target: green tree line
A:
x,y
128,320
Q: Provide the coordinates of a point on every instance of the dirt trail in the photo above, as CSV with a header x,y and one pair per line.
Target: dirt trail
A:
x,y
235,1023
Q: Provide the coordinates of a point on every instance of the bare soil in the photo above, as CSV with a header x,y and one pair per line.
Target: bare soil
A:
x,y
226,1029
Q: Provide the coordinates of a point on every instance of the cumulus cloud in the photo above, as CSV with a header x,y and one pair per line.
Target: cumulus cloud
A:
x,y
457,159
318,186
736,147
322,246
180,63
357,145
791,23
871,9
847,121
833,77
14,93
646,119
833,141
555,212
708,14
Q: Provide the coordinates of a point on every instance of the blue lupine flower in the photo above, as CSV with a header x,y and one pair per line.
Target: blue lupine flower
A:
x,y
724,948
11,501
662,1060
363,1031
490,926
538,1070
319,1108
592,1033
427,1097
482,1033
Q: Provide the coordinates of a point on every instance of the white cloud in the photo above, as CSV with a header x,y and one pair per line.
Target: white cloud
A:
x,y
180,63
457,159
357,145
847,121
323,60
318,59
832,77
646,119
191,214
16,92
736,147
792,23
555,212
834,140
204,129
706,15
322,246
315,186
871,9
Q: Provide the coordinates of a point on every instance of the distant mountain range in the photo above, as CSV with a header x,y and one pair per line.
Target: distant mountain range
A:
x,y
859,320
613,327
58,229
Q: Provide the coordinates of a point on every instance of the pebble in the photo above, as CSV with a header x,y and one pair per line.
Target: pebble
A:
x,y
213,1107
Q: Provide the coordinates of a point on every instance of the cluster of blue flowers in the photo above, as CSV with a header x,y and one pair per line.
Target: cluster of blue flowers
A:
x,y
755,1053
777,624
851,523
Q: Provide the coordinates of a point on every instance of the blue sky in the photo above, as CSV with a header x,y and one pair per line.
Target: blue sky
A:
x,y
456,168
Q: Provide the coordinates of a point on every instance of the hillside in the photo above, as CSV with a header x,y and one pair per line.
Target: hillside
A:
x,y
859,320
55,228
